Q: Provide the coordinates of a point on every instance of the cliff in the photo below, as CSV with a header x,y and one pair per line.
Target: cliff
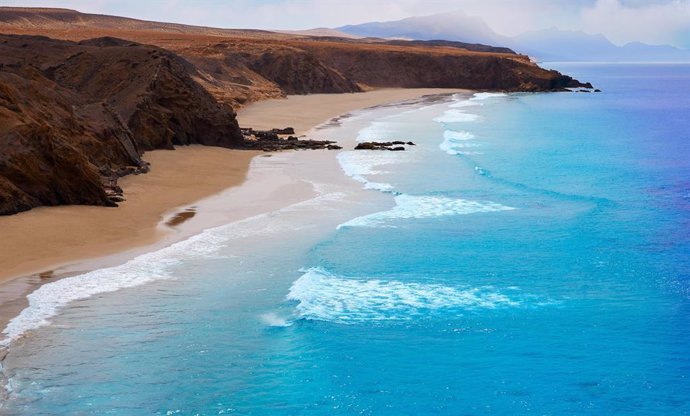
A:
x,y
76,113
416,66
239,72
242,66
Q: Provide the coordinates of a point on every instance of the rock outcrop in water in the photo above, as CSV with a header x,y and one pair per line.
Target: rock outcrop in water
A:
x,y
392,146
271,141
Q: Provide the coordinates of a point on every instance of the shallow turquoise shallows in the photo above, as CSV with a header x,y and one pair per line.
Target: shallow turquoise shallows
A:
x,y
530,255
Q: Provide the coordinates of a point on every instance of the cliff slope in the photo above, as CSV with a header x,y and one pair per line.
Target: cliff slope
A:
x,y
241,66
75,115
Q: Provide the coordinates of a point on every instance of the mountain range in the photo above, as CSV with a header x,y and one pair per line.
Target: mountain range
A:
x,y
551,44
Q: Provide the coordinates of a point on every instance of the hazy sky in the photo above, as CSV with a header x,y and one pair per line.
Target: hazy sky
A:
x,y
622,21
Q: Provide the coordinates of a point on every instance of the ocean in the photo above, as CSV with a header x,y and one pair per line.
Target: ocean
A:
x,y
530,254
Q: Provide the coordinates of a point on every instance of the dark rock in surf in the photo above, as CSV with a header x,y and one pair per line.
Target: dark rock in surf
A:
x,y
380,146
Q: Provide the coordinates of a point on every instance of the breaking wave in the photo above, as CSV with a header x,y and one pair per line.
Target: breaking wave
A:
x,y
46,301
456,116
274,320
457,143
480,96
324,296
410,206
358,164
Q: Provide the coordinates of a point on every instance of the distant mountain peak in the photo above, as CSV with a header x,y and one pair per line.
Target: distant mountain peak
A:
x,y
453,26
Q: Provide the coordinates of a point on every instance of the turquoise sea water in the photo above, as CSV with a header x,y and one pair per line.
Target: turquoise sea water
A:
x,y
529,256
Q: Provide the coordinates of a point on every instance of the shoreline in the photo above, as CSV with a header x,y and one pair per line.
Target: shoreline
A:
x,y
290,111
66,235
187,191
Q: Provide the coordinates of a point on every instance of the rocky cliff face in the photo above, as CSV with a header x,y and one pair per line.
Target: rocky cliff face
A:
x,y
439,67
268,69
73,115
300,72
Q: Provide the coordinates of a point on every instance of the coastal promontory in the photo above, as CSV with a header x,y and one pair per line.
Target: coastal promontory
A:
x,y
83,96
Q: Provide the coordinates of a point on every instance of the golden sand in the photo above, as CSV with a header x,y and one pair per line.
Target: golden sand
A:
x,y
45,239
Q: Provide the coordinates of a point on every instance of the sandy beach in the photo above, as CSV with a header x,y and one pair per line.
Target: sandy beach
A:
x,y
45,239
187,191
302,112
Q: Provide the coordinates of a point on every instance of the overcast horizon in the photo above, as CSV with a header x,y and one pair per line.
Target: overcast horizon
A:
x,y
621,21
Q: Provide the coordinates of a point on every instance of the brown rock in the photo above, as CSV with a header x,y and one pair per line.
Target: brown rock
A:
x,y
71,112
286,130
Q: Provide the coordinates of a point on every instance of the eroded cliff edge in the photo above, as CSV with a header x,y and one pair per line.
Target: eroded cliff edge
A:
x,y
74,115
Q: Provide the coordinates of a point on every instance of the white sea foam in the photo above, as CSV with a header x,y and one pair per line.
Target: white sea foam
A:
x,y
379,186
410,206
454,148
360,164
328,297
476,99
377,131
486,95
455,143
458,135
464,103
456,116
275,320
47,300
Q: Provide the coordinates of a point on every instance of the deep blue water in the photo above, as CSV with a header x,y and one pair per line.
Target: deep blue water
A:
x,y
529,256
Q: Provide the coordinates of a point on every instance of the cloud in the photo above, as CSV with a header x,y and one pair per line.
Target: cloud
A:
x,y
661,22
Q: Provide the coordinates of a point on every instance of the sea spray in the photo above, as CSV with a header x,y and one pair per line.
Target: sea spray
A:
x,y
272,319
456,143
324,296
